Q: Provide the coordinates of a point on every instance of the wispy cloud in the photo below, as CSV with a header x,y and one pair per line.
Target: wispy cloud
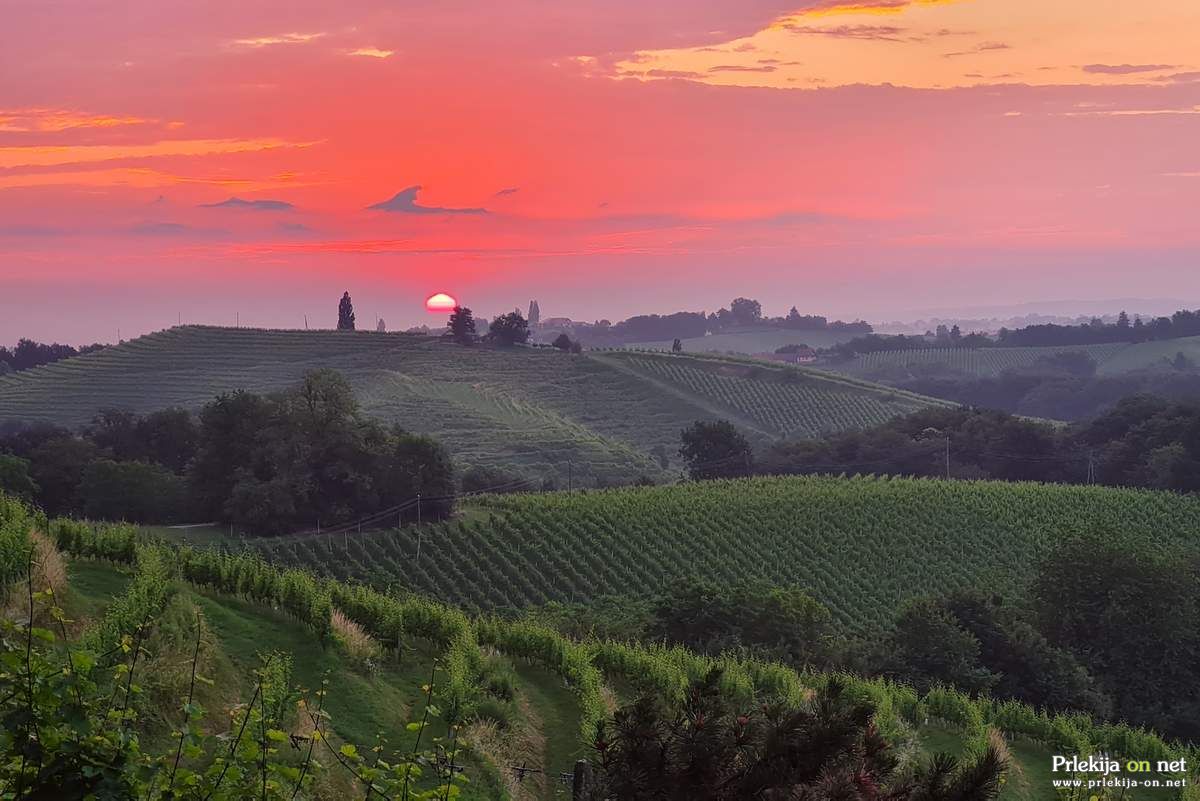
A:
x,y
1125,69
52,120
261,205
743,68
371,52
56,155
984,47
405,202
278,39
885,33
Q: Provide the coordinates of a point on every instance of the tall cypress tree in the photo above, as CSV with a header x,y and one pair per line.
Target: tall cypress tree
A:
x,y
346,313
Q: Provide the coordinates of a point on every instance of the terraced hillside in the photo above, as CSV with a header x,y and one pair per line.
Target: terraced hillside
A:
x,y
750,341
860,545
982,362
602,416
775,399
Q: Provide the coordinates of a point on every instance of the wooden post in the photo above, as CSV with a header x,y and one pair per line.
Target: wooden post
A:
x,y
583,775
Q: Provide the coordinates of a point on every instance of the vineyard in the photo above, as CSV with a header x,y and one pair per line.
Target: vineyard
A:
x,y
859,545
749,341
982,362
237,594
536,409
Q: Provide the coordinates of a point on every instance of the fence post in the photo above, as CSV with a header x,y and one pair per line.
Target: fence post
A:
x,y
580,786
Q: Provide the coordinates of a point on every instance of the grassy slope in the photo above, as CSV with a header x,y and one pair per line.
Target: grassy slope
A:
x,y
362,705
861,546
535,408
1151,354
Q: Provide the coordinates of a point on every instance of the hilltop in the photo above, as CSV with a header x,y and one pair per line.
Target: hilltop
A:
x,y
603,416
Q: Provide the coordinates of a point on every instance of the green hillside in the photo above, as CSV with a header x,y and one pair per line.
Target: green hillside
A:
x,y
605,415
860,545
558,687
1145,355
982,362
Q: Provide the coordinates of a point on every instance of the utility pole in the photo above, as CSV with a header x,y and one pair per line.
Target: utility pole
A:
x,y
418,527
306,322
947,456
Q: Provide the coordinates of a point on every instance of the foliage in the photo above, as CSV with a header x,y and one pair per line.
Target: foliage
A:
x,y
715,450
15,478
562,342
345,313
309,458
782,624
134,491
462,326
828,747
1129,617
509,329
28,354
664,671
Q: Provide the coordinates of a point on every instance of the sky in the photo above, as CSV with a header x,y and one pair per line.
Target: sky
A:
x,y
211,161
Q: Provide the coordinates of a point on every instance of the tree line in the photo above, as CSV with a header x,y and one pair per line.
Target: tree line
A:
x,y
1143,441
28,353
266,463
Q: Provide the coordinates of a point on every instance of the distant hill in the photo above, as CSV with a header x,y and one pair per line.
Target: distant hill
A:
x,y
1111,359
604,416
764,340
981,362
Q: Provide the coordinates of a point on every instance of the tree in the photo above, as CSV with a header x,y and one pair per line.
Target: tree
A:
x,y
715,450
746,311
1129,616
345,313
15,478
784,624
509,329
677,346
535,314
462,326
705,749
381,326
562,342
1123,320
57,466
135,491
929,647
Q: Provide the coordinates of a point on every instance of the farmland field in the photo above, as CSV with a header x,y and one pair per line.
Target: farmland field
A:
x,y
537,409
859,545
982,362
753,341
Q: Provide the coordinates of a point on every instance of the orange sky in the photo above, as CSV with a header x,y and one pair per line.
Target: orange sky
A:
x,y
609,158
